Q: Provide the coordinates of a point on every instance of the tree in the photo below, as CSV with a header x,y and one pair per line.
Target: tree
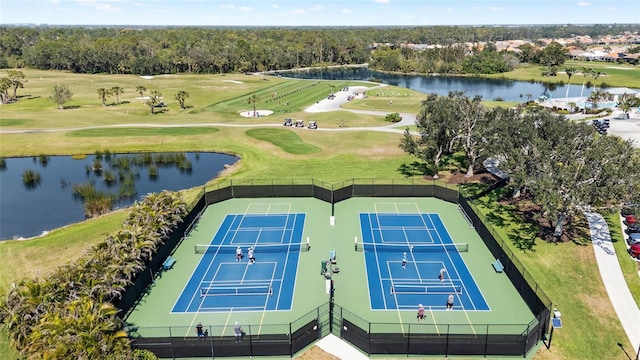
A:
x,y
140,90
586,72
393,117
253,100
569,71
596,97
60,94
528,53
437,129
471,119
154,100
16,77
117,91
553,54
596,75
103,94
628,102
180,97
5,85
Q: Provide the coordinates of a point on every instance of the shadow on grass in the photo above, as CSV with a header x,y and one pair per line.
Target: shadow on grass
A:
x,y
415,168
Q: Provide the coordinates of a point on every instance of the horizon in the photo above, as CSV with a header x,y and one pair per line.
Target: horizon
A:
x,y
326,13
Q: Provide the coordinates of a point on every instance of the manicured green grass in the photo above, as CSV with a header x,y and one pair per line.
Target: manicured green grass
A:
x,y
134,131
288,140
568,275
566,272
629,266
617,75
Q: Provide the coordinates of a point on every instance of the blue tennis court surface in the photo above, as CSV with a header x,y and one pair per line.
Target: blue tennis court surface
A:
x,y
223,283
404,254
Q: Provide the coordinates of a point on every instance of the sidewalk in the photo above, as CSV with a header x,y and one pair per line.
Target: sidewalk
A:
x,y
610,271
340,348
613,279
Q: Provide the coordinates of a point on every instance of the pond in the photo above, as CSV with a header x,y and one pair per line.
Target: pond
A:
x,y
54,200
489,89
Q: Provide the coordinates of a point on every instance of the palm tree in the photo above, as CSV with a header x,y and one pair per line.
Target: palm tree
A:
x,y
103,94
596,97
253,99
596,75
117,91
140,90
586,72
154,99
569,71
181,96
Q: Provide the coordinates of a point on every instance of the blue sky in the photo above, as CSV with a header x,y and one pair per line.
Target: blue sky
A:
x,y
317,13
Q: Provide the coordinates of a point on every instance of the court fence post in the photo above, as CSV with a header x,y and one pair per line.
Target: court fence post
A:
x,y
486,341
171,342
290,341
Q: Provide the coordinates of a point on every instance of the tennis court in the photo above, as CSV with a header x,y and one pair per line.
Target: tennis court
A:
x,y
410,259
226,279
283,290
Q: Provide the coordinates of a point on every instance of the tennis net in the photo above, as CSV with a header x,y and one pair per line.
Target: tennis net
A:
x,y
420,288
225,290
460,247
266,248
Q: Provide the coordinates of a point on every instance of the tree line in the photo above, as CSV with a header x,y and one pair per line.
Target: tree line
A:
x,y
149,50
563,166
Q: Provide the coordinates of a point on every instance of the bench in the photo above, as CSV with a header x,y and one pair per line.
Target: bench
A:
x,y
168,263
497,265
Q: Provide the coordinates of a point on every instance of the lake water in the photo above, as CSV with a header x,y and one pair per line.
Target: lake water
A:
x,y
28,211
489,89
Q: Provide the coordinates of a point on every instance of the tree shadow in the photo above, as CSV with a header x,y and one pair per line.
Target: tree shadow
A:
x,y
415,168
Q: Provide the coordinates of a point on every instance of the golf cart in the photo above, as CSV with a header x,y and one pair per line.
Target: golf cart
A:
x,y
299,123
313,125
288,122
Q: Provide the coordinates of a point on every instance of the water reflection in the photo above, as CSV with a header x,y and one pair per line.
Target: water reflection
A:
x,y
29,208
488,89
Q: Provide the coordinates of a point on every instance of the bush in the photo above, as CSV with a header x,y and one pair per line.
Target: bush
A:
x,y
393,117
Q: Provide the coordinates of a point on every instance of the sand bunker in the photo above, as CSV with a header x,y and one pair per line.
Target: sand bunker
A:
x,y
233,81
258,113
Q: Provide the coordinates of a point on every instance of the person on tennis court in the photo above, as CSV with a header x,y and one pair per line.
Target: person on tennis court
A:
x,y
199,331
239,254
420,312
450,302
404,260
250,254
238,331
441,275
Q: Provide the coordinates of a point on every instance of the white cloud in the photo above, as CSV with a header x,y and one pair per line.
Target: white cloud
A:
x,y
245,8
495,8
346,11
275,6
316,8
228,6
584,3
448,9
296,12
381,1
610,9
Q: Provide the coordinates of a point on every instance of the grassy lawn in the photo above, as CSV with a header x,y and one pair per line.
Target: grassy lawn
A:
x,y
617,75
566,272
568,275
